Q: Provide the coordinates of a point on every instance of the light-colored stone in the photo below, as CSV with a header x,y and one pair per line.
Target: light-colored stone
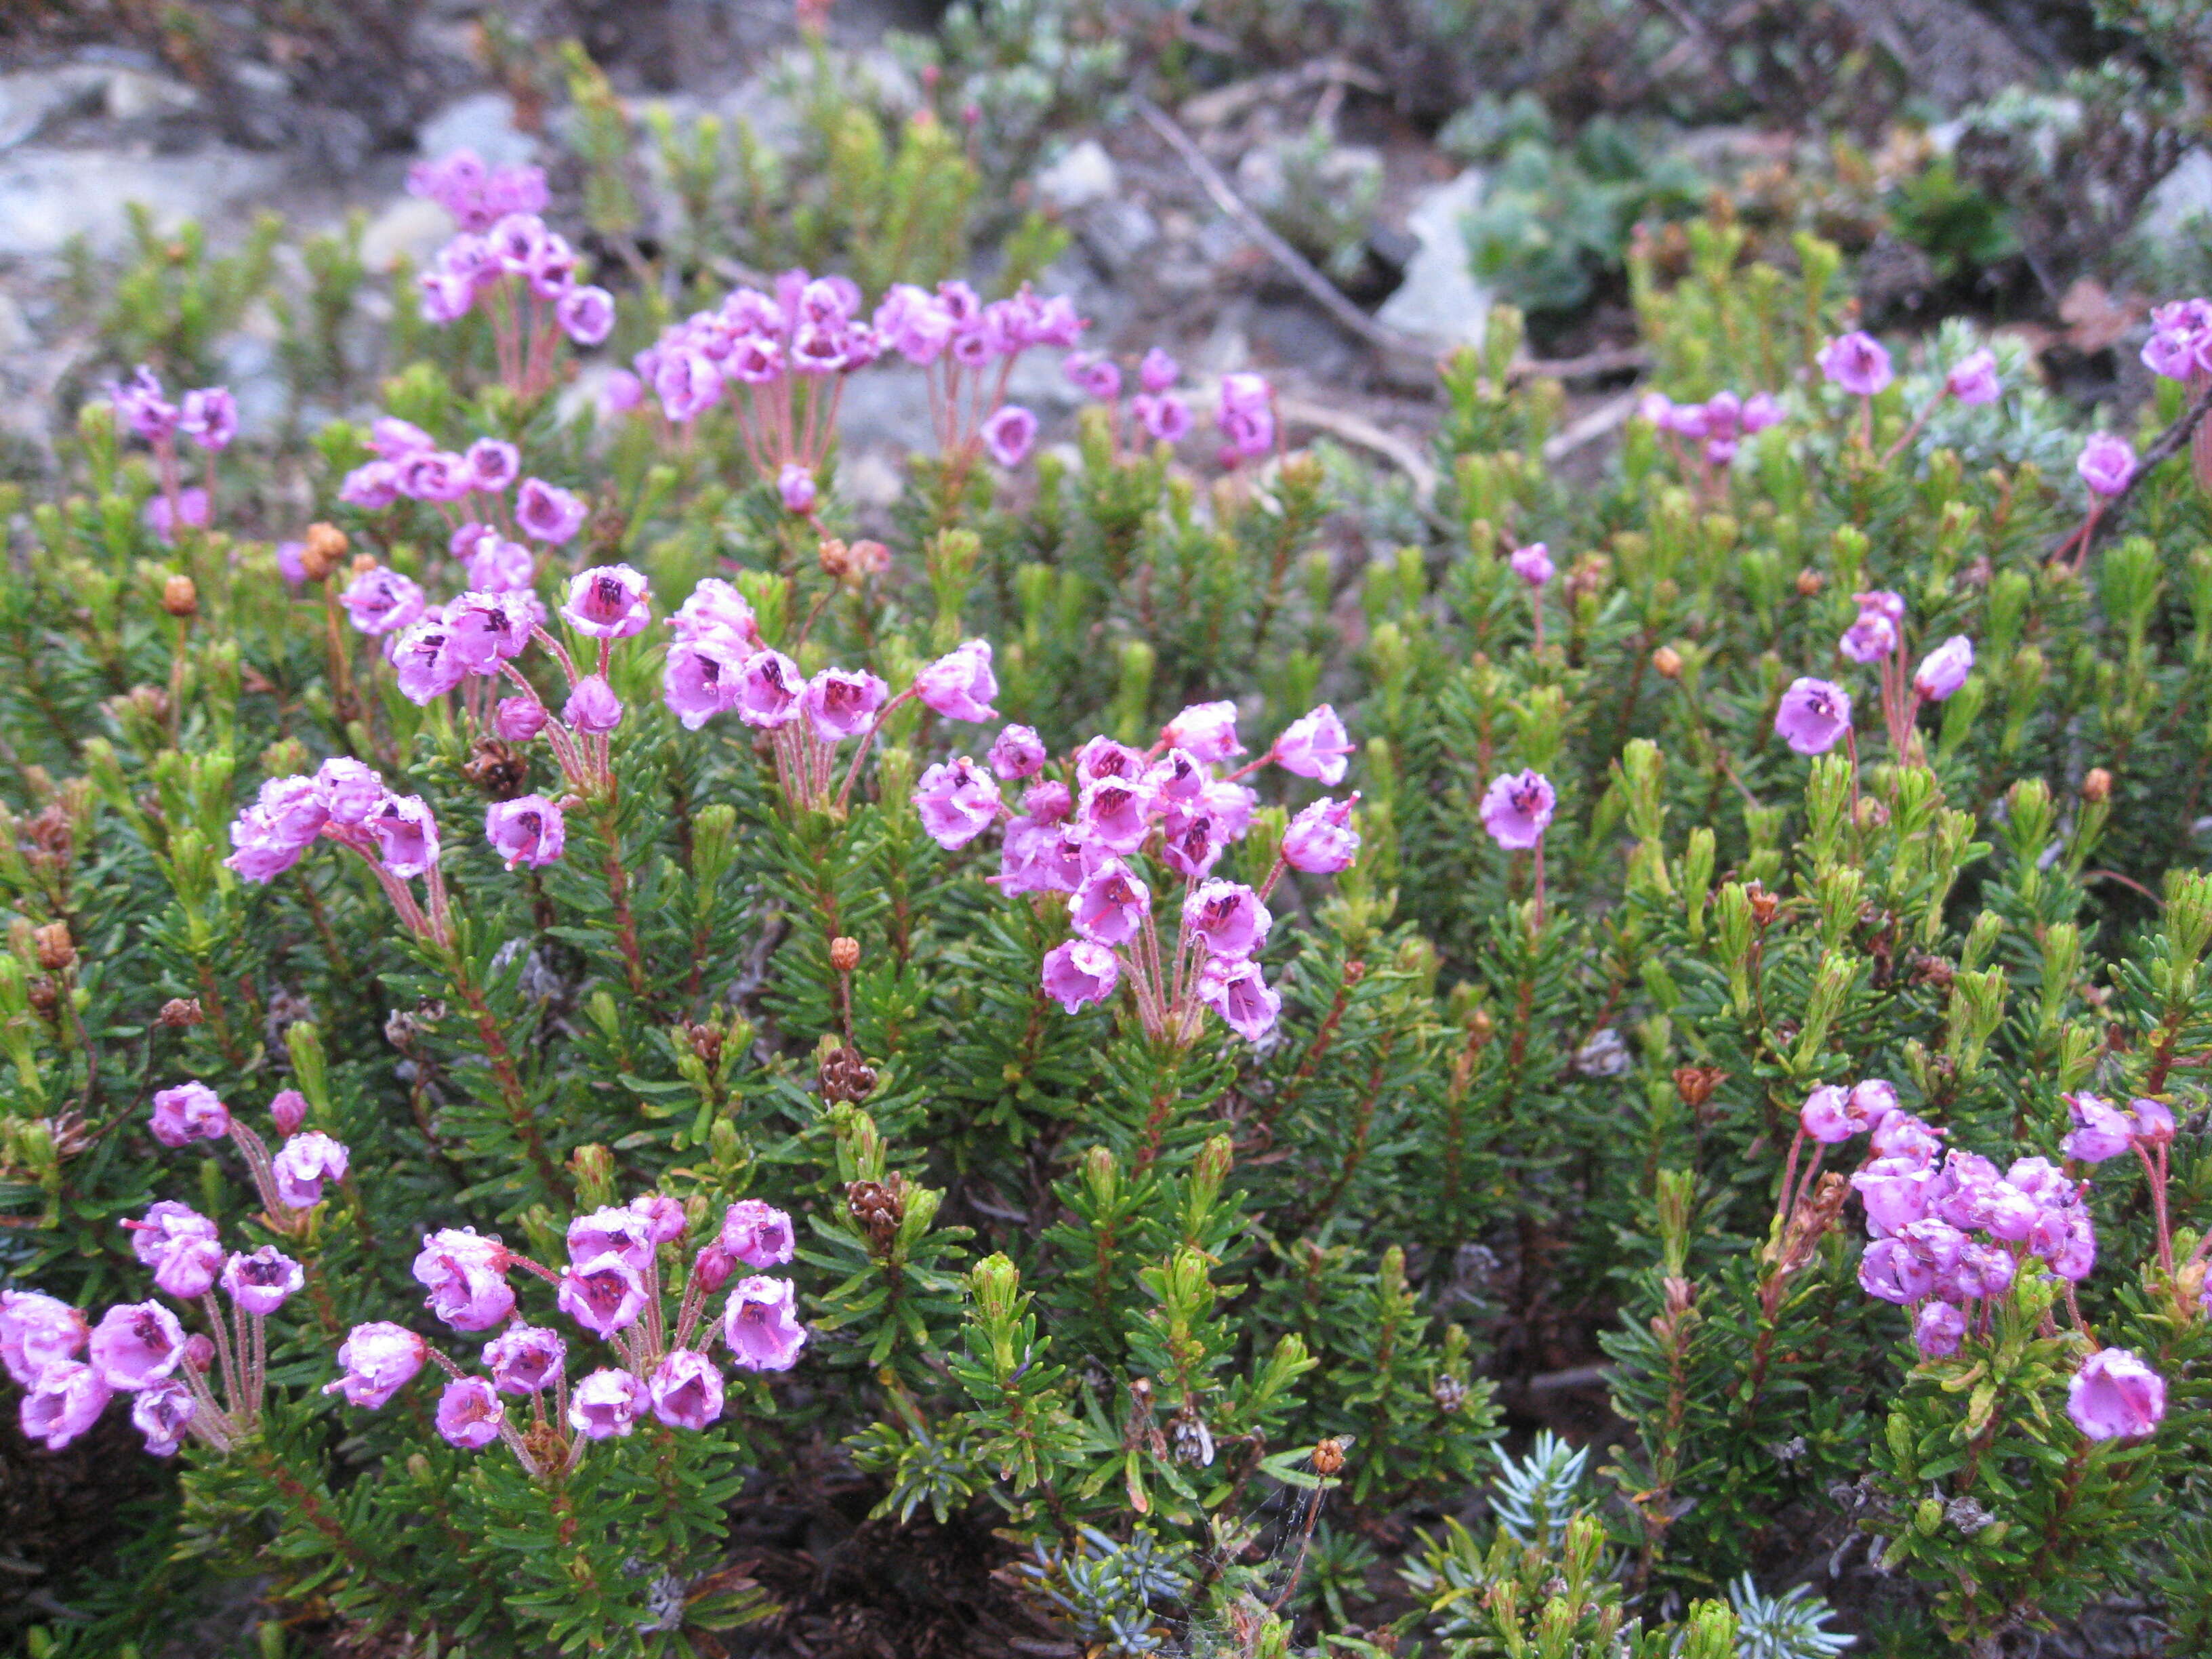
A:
x,y
2183,195
15,335
1118,232
31,98
1440,301
134,96
411,227
48,196
872,480
483,122
1086,174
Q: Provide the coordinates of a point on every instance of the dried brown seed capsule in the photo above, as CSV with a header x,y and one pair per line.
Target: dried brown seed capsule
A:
x,y
1329,1457
847,1075
1809,583
180,598
2097,785
56,950
1667,661
178,1012
323,552
844,954
1696,1083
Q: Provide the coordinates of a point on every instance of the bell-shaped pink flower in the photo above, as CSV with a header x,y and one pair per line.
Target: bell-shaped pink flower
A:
x,y
163,1413
2153,1121
761,1325
1314,745
525,1359
1047,801
2115,1396
1973,379
382,601
716,607
1206,730
1320,840
960,685
604,1294
189,1112
517,719
1009,432
166,1225
1892,1272
607,1404
1237,992
1077,973
685,1389
616,1230
771,689
1857,363
378,1359
1944,670
702,677
62,1402
188,1270
609,602
1826,1115
423,664
293,808
528,830
136,1344
483,630
1115,813
548,513
795,485
470,1413
1895,1192
1038,858
302,1164
958,800
1111,903
1533,564
2106,465
262,1282
465,1274
1228,917
1937,1330
1517,809
592,706
1158,371
758,1234
1017,752
585,313
2101,1130
1102,757
287,1110
841,702
349,790
661,1216
36,1331
1896,1134
494,464
406,834
1812,716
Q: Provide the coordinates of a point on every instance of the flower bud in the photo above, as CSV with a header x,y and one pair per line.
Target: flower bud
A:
x,y
179,1012
324,548
289,1110
1668,662
844,954
180,598
56,952
2097,785
836,558
1329,1457
1809,583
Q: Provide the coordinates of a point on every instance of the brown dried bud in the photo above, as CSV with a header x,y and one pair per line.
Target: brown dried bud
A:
x,y
1764,904
706,1042
361,565
879,1207
1354,971
322,552
497,768
1809,584
180,598
1449,1394
2097,785
178,1012
44,996
1667,663
847,1075
836,558
1696,1083
844,954
1932,970
56,950
867,559
1329,1457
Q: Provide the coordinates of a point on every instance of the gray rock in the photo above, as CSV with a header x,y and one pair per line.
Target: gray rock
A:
x,y
887,408
30,99
483,122
1117,233
134,96
2183,195
411,227
1086,174
1440,301
15,335
250,367
48,196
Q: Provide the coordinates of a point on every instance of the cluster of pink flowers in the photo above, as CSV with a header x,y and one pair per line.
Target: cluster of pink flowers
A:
x,y
506,257
469,490
1950,1233
612,1286
1156,413
1717,426
342,800
2181,343
179,1383
1814,714
1245,417
209,416
1087,832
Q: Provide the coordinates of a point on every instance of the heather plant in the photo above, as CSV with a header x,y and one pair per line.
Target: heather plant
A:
x,y
1094,1016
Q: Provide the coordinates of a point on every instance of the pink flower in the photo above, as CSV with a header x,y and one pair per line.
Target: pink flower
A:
x,y
841,702
373,486
349,790
424,666
2066,1238
1314,746
1937,1330
1115,814
1246,417
528,830
1236,991
2100,1130
1812,716
661,1216
1009,432
142,406
261,851
1891,1271
483,630
1017,752
1102,757
465,1274
1973,379
1826,1115
770,690
604,1294
1944,670
262,1282
688,385
470,1414
1206,730
761,1325
524,1358
592,706
1094,375
162,1414
406,835
435,475
2153,1121
2106,465
2115,1395
609,602
494,463
758,1234
187,1113
62,1402
617,1230
1533,564
382,601
136,1344
1077,973
1158,371
38,1330
1517,809
1857,363
960,685
1166,419
685,1389
1228,917
621,393
587,314
958,800
547,512
167,1224
607,1404
188,1270
209,417
1047,801
795,485
1320,840
1111,903
302,1164
287,1110
1899,1134
1038,858
378,1360
1872,637
1895,1191
702,678
517,719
